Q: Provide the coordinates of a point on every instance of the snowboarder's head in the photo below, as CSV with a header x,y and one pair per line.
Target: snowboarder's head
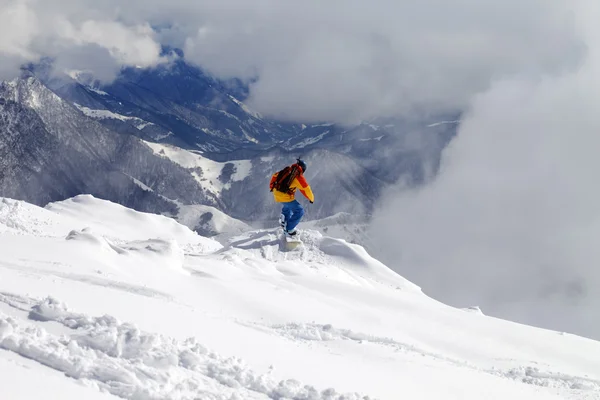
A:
x,y
302,165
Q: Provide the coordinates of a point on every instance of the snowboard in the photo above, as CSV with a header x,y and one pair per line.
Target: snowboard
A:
x,y
291,242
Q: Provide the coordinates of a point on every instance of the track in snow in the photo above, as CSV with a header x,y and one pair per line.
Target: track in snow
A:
x,y
120,359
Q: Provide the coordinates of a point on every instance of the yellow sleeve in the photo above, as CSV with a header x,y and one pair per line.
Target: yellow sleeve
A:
x,y
301,183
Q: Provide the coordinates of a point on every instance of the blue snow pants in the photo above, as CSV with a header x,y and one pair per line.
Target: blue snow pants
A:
x,y
292,213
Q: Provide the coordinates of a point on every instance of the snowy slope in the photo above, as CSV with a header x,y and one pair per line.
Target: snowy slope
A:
x,y
106,114
207,172
209,221
98,301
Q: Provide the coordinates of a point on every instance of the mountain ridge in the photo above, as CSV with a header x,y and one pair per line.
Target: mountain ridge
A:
x,y
96,139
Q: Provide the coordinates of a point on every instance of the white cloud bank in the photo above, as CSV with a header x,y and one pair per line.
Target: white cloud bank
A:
x,y
31,29
512,222
313,60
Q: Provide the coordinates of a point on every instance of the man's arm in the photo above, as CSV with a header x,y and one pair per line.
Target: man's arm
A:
x,y
305,188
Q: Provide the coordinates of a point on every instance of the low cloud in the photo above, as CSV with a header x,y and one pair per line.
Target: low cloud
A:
x,y
512,221
315,60
32,29
347,61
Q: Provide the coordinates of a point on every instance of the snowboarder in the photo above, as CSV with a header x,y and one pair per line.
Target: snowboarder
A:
x,y
283,185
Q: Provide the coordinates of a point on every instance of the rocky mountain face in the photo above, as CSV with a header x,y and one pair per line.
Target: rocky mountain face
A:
x,y
50,150
156,140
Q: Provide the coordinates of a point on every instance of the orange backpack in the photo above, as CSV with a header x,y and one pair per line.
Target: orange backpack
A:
x,y
284,179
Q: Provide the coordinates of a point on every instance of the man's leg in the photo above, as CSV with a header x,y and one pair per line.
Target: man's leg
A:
x,y
282,220
297,214
286,214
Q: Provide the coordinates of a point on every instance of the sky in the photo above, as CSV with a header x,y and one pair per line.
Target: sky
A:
x,y
511,222
334,60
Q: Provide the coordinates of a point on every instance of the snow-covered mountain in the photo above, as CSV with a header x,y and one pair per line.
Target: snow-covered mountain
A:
x,y
174,103
160,139
98,301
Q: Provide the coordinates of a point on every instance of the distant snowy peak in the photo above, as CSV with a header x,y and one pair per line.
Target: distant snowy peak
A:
x,y
29,91
200,111
85,78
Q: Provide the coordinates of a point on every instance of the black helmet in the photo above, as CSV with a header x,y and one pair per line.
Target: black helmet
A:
x,y
302,165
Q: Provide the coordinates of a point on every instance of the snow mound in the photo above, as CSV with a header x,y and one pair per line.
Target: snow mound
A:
x,y
108,225
335,258
166,252
327,332
162,252
122,360
19,217
87,236
121,224
474,310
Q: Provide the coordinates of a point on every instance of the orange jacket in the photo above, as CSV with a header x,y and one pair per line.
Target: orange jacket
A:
x,y
298,183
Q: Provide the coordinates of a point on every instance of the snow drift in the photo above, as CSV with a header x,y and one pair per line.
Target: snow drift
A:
x,y
138,306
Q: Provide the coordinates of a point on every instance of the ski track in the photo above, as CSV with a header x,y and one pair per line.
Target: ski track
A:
x,y
311,332
120,359
96,281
